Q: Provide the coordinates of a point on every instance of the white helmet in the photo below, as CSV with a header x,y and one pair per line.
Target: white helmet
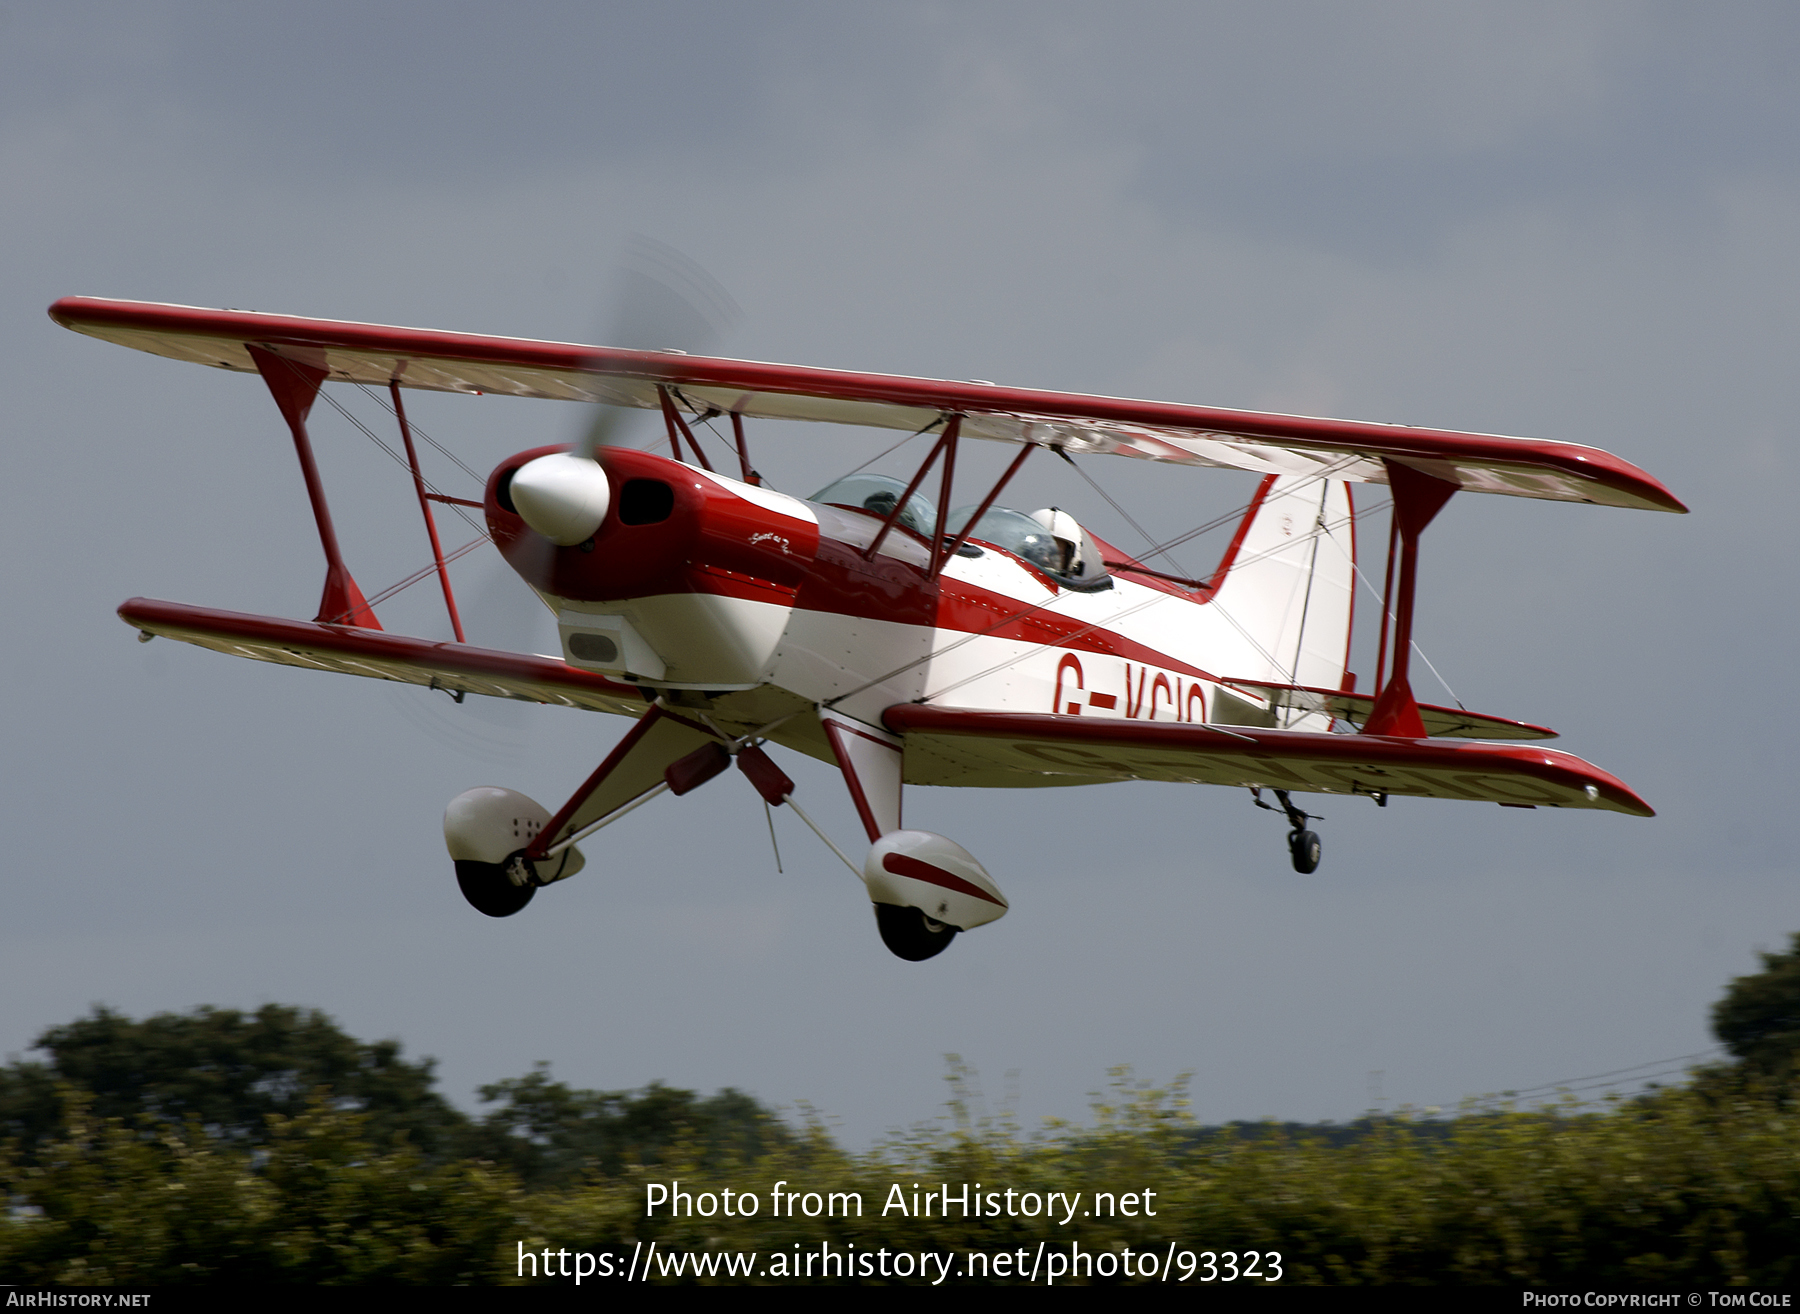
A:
x,y
1070,539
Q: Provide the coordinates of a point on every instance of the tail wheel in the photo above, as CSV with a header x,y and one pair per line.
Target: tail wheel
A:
x,y
488,889
1304,845
910,934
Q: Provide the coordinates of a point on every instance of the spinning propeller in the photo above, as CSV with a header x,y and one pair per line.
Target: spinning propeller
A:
x,y
663,302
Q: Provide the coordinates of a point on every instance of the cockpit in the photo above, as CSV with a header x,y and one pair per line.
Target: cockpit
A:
x,y
1050,539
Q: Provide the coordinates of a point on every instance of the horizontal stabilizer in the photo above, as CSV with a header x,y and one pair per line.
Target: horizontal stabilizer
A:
x,y
956,746
348,650
1440,722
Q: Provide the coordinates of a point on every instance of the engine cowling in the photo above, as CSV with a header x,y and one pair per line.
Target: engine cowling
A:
x,y
687,578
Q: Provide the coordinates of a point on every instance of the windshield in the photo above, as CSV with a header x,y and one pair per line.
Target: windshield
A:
x,y
1015,531
1049,539
877,494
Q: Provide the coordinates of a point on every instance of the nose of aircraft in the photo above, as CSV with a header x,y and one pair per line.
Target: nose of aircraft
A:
x,y
562,496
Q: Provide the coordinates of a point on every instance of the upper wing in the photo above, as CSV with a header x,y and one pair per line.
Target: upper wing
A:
x,y
954,746
349,650
1161,431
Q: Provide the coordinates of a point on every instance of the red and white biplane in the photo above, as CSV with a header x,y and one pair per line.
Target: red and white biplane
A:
x,y
872,627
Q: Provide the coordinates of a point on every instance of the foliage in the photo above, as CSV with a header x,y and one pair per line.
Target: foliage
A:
x,y
226,1070
550,1135
1758,1020
237,1076
1678,1188
318,1203
1681,1187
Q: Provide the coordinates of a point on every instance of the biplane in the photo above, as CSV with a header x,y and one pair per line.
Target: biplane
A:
x,y
876,626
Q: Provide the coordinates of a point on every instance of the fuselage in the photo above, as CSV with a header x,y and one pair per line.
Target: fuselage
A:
x,y
698,582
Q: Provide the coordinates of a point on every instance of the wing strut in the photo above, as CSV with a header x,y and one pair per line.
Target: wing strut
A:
x,y
294,386
737,432
437,549
951,430
1417,498
672,419
1025,450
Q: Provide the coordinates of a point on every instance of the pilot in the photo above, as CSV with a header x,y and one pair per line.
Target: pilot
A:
x,y
882,504
1065,533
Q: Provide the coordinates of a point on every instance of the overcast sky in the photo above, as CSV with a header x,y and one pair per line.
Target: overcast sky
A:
x,y
1564,220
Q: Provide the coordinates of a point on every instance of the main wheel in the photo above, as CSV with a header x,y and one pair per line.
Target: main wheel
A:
x,y
486,887
1304,845
910,934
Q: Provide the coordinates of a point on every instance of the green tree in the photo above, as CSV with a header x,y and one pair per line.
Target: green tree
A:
x,y
226,1071
1758,1020
233,1075
552,1135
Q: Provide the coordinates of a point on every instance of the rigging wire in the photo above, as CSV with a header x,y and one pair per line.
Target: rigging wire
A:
x,y
1234,516
425,572
705,420
1322,474
400,460
388,406
1142,532
1155,549
1312,568
1320,529
890,451
1380,601
1116,616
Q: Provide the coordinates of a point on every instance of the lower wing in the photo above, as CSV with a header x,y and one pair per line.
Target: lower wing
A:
x,y
958,746
457,668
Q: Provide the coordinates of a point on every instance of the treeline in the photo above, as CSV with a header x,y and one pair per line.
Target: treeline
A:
x,y
271,1148
233,1078
1678,1189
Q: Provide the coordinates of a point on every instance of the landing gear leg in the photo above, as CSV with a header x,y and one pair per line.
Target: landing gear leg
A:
x,y
1303,844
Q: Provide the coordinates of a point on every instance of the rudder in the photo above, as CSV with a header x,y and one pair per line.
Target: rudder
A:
x,y
1287,582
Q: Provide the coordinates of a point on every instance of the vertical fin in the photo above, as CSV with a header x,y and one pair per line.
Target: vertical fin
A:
x,y
1287,581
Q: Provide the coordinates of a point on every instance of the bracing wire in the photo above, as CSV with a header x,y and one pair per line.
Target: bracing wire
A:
x,y
388,406
1142,532
1382,602
1116,616
1162,549
425,572
400,460
891,450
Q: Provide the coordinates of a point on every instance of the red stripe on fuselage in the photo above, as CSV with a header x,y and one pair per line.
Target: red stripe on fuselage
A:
x,y
843,584
718,543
